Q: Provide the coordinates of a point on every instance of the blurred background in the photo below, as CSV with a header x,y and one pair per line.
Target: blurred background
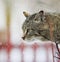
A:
x,y
11,20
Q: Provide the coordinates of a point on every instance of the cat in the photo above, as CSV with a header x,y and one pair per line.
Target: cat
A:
x,y
37,25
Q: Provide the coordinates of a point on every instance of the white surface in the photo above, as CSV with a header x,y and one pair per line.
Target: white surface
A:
x,y
41,55
28,55
50,55
15,55
3,55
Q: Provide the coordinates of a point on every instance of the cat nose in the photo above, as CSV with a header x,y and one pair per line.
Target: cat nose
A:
x,y
23,38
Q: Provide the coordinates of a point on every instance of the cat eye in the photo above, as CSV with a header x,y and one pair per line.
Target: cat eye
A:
x,y
43,19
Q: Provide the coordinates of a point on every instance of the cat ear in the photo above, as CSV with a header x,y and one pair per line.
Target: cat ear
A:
x,y
41,12
26,14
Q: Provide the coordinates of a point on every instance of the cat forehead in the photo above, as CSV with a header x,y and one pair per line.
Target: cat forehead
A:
x,y
37,15
31,17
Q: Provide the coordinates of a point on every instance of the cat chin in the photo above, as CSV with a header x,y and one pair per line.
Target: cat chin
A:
x,y
34,38
44,39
